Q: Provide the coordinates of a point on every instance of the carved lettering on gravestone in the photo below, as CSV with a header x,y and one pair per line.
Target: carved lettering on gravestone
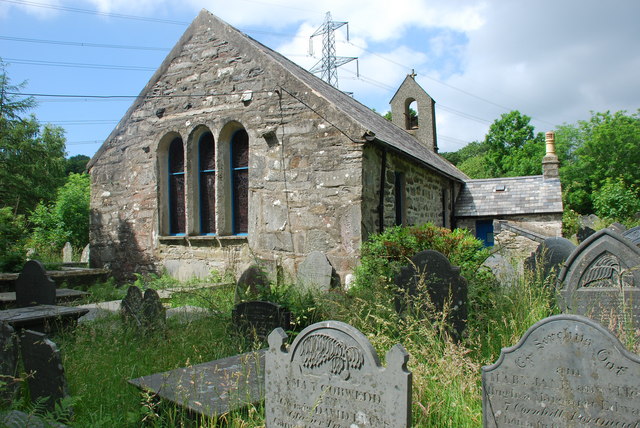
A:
x,y
43,365
260,318
315,273
331,376
34,287
431,279
67,253
9,387
550,255
566,371
251,281
601,280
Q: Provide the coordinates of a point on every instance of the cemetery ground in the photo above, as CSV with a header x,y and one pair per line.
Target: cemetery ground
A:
x,y
100,356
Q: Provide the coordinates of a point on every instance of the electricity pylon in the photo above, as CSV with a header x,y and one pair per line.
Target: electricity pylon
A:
x,y
329,63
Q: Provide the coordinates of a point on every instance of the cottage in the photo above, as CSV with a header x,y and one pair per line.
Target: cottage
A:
x,y
233,154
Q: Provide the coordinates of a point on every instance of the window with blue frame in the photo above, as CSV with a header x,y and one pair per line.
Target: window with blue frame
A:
x,y
176,177
240,182
207,183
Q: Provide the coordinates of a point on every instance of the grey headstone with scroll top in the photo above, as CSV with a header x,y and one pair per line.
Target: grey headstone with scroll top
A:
x,y
566,371
601,280
331,376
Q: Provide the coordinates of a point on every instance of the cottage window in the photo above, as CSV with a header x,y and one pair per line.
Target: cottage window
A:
x,y
176,187
240,182
207,183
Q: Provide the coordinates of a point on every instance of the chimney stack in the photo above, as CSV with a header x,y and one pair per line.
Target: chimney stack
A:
x,y
550,162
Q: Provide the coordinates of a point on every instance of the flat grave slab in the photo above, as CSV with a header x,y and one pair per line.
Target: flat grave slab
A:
x,y
211,388
566,371
62,294
43,318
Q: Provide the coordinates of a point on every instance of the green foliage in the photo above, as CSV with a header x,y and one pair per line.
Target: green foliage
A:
x,y
471,150
476,167
570,222
12,240
76,164
617,200
383,254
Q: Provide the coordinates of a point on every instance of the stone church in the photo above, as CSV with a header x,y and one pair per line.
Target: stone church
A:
x,y
232,155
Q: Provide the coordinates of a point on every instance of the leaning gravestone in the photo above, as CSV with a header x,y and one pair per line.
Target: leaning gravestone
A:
x,y
430,275
251,281
550,255
331,376
34,287
131,306
633,235
315,273
43,365
9,386
601,280
260,318
67,253
143,312
566,371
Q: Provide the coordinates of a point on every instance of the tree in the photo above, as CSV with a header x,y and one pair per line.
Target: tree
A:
x,y
605,147
76,164
31,156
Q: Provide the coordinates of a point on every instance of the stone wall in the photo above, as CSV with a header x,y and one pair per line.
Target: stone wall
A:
x,y
305,175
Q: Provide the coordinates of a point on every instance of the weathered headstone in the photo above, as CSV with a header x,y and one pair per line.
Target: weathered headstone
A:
x,y
84,257
584,232
633,235
331,376
315,273
34,287
431,279
601,280
566,371
9,387
550,255
252,280
131,306
43,365
618,227
260,318
154,315
67,253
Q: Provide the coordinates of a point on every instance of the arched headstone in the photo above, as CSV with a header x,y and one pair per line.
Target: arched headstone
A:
x,y
250,282
551,253
34,287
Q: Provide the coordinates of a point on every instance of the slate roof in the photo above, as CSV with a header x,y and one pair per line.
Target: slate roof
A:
x,y
386,133
520,195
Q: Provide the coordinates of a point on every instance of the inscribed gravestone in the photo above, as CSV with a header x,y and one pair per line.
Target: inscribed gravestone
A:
x,y
67,253
315,273
601,280
551,254
566,371
8,364
34,287
633,235
260,318
331,376
43,365
251,281
431,275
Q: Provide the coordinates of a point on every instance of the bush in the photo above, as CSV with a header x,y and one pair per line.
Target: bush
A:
x,y
12,240
617,200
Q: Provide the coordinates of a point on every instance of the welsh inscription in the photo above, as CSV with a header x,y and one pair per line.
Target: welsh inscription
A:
x,y
331,376
566,371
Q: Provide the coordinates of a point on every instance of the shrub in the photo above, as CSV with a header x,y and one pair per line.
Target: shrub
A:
x,y
617,200
12,240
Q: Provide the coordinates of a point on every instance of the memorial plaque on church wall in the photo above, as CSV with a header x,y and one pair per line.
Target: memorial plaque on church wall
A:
x,y
331,376
601,280
260,318
566,371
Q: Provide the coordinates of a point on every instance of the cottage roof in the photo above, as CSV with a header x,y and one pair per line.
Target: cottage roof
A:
x,y
380,130
509,196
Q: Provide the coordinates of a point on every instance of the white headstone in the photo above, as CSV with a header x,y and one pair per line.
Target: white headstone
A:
x,y
67,253
84,258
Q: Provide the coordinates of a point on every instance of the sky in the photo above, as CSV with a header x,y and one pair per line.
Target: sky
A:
x,y
556,61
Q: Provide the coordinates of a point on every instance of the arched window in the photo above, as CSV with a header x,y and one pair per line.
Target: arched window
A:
x,y
207,183
176,188
240,182
411,113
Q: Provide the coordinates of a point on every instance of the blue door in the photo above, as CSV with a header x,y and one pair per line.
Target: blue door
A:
x,y
484,232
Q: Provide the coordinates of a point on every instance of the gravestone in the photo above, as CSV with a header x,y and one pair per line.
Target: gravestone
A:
x,y
601,280
260,318
84,258
10,387
618,227
551,254
430,278
633,235
143,312
34,287
43,365
566,371
131,306
67,253
315,273
251,281
584,232
331,376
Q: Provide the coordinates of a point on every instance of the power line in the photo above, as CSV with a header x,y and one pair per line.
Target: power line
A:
x,y
81,44
77,65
